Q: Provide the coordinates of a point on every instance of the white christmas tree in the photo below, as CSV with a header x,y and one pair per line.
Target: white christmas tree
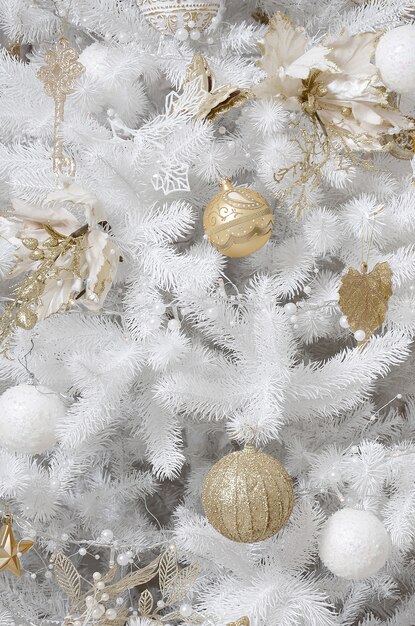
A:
x,y
136,352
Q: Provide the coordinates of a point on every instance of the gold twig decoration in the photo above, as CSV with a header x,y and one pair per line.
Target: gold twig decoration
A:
x,y
321,145
364,297
59,74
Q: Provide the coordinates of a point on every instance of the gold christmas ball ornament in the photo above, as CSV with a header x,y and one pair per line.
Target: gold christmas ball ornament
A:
x,y
248,496
179,16
238,221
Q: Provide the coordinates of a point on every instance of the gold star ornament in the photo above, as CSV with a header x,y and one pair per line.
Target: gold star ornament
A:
x,y
10,551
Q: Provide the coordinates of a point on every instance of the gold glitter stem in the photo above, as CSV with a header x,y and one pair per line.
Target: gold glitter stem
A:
x,y
61,164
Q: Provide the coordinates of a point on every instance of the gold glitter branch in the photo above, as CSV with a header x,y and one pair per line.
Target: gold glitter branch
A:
x,y
59,74
319,146
21,312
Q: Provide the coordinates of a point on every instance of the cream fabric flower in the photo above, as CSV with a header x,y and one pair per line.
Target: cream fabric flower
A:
x,y
87,276
335,83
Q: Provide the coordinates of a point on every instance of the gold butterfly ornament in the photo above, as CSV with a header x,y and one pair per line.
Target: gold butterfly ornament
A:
x,y
214,100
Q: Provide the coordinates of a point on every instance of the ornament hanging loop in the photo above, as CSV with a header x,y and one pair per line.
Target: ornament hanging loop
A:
x,y
225,183
7,518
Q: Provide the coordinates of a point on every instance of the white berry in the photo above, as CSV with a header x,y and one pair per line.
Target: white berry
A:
x,y
185,610
360,335
343,322
122,559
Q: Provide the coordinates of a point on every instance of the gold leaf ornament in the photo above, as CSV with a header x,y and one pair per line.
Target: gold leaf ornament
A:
x,y
168,570
214,100
182,583
364,297
67,576
146,602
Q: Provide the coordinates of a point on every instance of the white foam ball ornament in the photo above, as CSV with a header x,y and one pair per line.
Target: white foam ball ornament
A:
x,y
354,544
95,60
395,59
28,418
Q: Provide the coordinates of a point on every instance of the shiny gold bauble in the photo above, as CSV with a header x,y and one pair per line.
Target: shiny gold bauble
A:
x,y
248,496
238,221
167,16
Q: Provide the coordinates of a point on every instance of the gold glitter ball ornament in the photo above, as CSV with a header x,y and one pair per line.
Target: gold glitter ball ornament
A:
x,y
168,16
248,496
238,221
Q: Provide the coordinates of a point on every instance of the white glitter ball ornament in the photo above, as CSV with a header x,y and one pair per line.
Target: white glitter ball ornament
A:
x,y
395,59
354,544
169,16
28,417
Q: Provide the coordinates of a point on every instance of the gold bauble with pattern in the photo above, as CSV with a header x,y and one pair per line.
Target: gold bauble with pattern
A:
x,y
248,496
238,221
168,16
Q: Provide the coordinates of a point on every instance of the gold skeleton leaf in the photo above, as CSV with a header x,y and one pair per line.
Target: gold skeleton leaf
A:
x,y
168,570
364,297
110,575
139,577
145,604
67,576
182,583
